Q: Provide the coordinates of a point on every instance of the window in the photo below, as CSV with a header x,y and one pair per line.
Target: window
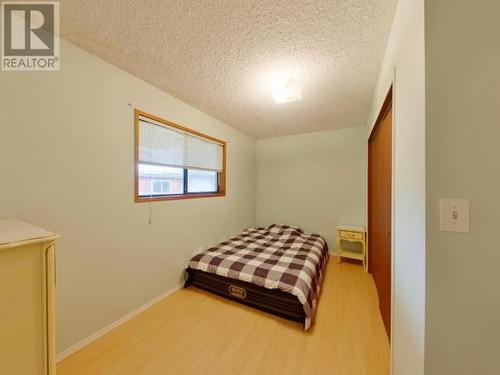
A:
x,y
173,162
161,187
201,181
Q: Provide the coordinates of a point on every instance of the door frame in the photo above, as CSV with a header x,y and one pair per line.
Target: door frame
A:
x,y
387,104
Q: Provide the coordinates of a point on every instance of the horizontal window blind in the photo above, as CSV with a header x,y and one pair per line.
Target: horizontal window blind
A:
x,y
172,147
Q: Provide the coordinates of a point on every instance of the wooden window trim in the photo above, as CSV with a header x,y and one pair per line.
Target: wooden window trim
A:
x,y
222,175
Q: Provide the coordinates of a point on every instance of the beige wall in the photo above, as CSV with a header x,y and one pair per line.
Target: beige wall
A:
x,y
404,66
463,132
314,181
66,145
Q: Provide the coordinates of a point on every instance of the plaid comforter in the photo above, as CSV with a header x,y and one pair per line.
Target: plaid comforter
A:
x,y
276,257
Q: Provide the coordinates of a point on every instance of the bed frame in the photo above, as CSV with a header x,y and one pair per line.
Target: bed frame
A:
x,y
273,301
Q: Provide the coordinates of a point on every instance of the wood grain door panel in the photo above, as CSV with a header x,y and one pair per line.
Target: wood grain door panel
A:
x,y
380,211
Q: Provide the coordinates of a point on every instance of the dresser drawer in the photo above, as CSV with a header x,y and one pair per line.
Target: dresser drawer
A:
x,y
351,235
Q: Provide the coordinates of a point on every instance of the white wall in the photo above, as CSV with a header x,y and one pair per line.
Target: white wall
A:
x,y
463,132
404,64
314,181
66,164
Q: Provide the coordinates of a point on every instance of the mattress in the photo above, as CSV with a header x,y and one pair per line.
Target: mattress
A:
x,y
284,262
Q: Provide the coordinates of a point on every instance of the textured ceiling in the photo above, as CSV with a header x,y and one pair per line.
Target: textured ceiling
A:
x,y
220,56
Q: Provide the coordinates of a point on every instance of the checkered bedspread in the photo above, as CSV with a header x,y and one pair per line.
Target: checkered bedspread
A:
x,y
276,257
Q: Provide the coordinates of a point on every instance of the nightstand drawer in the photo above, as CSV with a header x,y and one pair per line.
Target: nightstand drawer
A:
x,y
351,235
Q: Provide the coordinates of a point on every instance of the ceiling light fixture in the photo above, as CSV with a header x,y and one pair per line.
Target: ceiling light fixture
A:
x,y
286,90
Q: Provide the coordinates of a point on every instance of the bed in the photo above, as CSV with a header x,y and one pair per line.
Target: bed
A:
x,y
277,269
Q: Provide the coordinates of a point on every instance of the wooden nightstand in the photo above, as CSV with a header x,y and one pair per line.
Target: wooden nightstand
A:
x,y
351,234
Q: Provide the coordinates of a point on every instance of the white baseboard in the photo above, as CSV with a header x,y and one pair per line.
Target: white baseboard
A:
x,y
86,341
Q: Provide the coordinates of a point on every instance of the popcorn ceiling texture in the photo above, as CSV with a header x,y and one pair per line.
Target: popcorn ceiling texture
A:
x,y
219,55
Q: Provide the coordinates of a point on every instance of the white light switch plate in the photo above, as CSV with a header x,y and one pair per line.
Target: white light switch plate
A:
x,y
454,215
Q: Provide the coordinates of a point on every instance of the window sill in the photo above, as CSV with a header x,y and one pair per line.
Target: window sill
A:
x,y
177,197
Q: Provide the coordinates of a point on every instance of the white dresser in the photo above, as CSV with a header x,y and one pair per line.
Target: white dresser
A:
x,y
27,299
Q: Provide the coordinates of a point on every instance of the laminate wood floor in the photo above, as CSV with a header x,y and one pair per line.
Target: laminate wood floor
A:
x,y
194,332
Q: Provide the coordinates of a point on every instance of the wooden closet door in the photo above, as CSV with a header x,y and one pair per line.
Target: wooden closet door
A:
x,y
380,212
